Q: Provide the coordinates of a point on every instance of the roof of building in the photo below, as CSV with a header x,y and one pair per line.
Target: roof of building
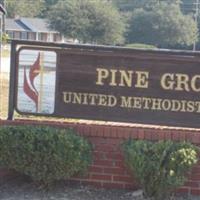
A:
x,y
36,24
12,25
28,24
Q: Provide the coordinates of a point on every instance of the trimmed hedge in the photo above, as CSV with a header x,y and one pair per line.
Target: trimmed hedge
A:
x,y
44,153
160,167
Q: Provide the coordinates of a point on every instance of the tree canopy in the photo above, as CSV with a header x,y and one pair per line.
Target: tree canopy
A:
x,y
47,6
30,8
164,26
131,5
88,21
164,23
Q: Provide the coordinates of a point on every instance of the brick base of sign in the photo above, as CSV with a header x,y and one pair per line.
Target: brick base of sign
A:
x,y
108,169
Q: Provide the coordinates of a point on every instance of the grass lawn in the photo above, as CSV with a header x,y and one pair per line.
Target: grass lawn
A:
x,y
4,86
5,53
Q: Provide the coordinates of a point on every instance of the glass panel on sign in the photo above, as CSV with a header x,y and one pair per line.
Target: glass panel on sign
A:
x,y
36,81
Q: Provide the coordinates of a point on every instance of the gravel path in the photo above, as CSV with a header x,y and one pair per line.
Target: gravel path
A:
x,y
22,189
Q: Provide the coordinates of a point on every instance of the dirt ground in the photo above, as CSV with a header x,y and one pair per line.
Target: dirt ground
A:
x,y
22,188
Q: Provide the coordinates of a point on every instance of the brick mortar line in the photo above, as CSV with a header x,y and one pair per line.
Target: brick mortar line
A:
x,y
133,132
108,124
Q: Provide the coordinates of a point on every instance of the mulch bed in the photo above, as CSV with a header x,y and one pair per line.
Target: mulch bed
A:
x,y
22,188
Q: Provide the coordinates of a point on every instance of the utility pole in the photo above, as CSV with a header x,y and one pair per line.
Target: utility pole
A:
x,y
3,17
2,13
196,20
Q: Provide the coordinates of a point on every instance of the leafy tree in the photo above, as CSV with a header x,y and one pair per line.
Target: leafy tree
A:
x,y
189,7
88,21
47,6
130,5
23,8
164,26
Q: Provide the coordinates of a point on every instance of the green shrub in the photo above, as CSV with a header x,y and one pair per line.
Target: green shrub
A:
x,y
159,167
45,154
5,38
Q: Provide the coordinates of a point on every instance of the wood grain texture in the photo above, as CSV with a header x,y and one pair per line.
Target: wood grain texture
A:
x,y
77,74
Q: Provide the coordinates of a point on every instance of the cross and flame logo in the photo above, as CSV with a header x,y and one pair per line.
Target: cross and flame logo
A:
x,y
29,86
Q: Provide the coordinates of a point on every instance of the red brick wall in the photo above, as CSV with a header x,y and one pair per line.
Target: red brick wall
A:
x,y
108,169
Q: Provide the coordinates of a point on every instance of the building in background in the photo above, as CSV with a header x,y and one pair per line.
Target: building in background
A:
x,y
31,29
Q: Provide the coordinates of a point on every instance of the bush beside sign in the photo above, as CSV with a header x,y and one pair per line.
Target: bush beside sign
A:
x,y
108,168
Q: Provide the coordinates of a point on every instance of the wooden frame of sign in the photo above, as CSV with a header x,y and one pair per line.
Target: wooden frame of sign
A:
x,y
158,87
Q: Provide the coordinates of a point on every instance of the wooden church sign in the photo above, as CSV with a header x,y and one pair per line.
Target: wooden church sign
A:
x,y
105,83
